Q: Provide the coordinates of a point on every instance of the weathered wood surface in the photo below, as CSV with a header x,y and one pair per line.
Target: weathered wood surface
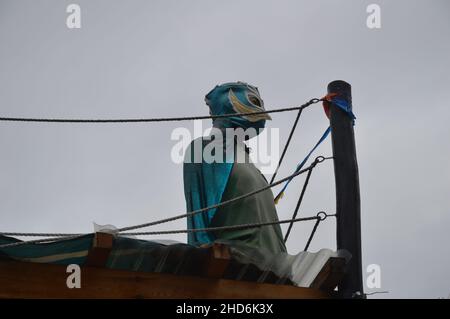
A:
x,y
33,280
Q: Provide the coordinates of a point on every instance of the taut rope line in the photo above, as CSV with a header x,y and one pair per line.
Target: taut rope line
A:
x,y
318,160
157,119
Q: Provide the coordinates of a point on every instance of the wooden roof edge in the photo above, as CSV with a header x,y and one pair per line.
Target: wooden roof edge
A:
x,y
330,275
219,257
33,280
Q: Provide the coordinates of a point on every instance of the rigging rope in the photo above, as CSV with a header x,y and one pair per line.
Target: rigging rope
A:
x,y
160,119
343,105
313,232
297,207
318,160
38,241
297,172
299,202
321,216
230,227
300,166
288,141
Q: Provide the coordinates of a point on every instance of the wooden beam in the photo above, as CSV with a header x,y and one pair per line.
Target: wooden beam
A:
x,y
218,261
33,280
99,252
330,275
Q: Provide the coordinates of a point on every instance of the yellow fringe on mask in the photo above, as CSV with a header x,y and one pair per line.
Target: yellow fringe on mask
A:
x,y
279,196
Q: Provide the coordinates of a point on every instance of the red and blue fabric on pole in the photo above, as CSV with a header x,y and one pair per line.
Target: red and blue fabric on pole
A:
x,y
329,99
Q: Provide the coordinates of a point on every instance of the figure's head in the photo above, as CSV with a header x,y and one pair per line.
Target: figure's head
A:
x,y
236,97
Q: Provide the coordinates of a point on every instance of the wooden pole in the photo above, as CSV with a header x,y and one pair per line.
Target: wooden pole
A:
x,y
348,206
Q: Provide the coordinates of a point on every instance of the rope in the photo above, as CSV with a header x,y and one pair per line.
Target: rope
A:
x,y
37,241
305,185
319,217
161,119
318,160
302,163
41,234
377,292
288,141
313,232
231,227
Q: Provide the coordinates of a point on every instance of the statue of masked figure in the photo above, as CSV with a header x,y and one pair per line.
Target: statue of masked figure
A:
x,y
218,168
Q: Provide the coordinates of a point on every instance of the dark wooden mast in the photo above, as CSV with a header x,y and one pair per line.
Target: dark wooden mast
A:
x,y
348,206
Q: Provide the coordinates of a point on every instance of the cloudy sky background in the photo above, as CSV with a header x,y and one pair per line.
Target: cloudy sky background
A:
x,y
159,58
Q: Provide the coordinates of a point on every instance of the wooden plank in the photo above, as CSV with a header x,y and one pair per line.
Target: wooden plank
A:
x,y
218,261
101,247
33,280
330,275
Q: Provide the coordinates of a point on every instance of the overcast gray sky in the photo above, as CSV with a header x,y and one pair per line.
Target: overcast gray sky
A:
x,y
159,58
